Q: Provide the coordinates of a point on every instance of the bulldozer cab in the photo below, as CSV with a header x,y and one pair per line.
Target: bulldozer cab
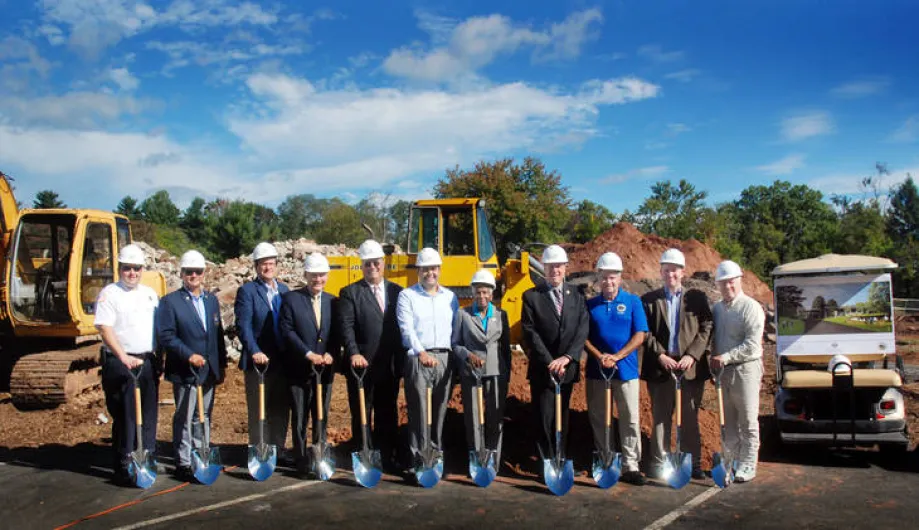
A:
x,y
57,263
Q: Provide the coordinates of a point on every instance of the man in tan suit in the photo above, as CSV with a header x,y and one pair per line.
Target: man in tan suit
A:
x,y
680,324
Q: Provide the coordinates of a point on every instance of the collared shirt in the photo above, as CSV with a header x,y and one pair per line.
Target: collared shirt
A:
x,y
426,321
739,330
612,324
130,313
489,312
673,318
274,302
198,302
381,286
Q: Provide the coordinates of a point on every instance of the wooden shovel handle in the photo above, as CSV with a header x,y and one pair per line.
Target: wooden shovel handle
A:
x,y
429,407
558,412
261,401
609,406
481,405
319,400
679,407
200,405
360,392
138,416
720,406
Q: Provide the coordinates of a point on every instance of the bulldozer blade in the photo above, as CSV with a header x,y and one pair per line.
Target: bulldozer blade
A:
x,y
367,466
206,464
722,472
678,472
559,476
142,469
607,468
482,467
323,462
263,458
430,471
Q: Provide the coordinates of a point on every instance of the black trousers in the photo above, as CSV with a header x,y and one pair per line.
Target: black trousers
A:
x,y
118,385
543,402
380,399
303,401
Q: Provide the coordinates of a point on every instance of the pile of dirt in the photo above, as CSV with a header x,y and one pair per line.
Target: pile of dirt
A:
x,y
641,253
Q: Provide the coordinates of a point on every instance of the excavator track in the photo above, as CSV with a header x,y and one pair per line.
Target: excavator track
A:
x,y
50,378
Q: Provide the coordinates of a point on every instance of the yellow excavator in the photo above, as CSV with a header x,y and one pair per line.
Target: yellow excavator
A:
x,y
459,230
55,262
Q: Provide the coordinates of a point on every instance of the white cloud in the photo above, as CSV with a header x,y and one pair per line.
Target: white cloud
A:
x,y
908,132
675,129
850,184
198,53
807,125
640,173
684,76
461,49
124,79
783,166
861,88
657,54
20,61
80,110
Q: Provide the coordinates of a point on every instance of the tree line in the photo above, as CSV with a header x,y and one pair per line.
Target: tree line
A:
x,y
764,227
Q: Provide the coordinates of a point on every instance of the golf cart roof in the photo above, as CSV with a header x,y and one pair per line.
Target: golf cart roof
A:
x,y
832,263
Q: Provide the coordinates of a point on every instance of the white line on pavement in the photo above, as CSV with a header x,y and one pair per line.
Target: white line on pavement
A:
x,y
682,510
217,506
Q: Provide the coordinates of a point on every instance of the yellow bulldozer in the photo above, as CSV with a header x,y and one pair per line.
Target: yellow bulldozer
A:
x,y
459,230
55,262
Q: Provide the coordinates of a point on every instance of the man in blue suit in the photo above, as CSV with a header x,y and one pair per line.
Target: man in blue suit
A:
x,y
258,313
309,325
189,328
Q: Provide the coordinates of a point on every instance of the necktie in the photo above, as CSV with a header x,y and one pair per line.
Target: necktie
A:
x,y
557,294
317,310
378,293
275,312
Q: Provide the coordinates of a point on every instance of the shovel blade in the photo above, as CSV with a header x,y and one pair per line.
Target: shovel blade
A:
x,y
206,465
679,472
482,467
607,468
559,479
263,458
720,471
323,464
367,466
142,469
429,473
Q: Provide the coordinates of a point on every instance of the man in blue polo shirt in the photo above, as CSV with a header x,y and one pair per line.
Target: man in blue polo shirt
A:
x,y
617,328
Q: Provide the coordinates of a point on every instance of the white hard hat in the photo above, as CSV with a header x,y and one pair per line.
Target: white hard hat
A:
x,y
192,260
843,363
554,254
131,254
727,270
316,262
428,257
370,249
609,261
264,250
674,256
483,277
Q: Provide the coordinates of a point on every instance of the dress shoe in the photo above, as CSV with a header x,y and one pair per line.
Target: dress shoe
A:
x,y
634,478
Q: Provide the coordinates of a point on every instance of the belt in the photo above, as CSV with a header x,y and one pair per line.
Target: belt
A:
x,y
438,350
141,355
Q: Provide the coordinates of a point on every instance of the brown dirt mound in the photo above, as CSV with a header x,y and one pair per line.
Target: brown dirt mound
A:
x,y
640,254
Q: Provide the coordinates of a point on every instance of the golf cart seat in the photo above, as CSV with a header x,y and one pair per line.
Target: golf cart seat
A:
x,y
874,377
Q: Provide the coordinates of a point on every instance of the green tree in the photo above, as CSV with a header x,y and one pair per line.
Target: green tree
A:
x,y
526,203
159,209
879,298
297,214
128,208
398,218
903,228
588,220
47,199
194,220
233,228
782,223
673,211
339,223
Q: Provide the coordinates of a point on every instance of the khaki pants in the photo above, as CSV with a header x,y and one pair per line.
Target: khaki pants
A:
x,y
625,396
740,384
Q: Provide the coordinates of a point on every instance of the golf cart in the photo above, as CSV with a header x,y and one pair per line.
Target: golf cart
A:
x,y
837,369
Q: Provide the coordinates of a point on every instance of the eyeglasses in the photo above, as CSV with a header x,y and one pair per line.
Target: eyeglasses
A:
x,y
373,263
132,267
193,272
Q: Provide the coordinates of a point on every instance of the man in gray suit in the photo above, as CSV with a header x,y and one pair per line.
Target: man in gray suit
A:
x,y
481,341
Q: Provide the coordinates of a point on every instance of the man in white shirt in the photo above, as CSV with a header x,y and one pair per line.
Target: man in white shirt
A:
x,y
124,316
425,314
738,351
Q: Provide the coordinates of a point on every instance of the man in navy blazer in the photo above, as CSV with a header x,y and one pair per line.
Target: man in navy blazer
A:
x,y
189,328
309,326
258,314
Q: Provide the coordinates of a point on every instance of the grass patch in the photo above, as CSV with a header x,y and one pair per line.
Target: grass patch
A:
x,y
880,326
790,326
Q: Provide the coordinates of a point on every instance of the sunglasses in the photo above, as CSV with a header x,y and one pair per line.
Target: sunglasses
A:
x,y
373,263
132,267
193,272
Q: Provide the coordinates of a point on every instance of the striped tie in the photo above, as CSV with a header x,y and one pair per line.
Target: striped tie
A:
x,y
557,295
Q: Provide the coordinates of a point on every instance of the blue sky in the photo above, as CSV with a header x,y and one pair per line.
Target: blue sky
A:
x,y
260,100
